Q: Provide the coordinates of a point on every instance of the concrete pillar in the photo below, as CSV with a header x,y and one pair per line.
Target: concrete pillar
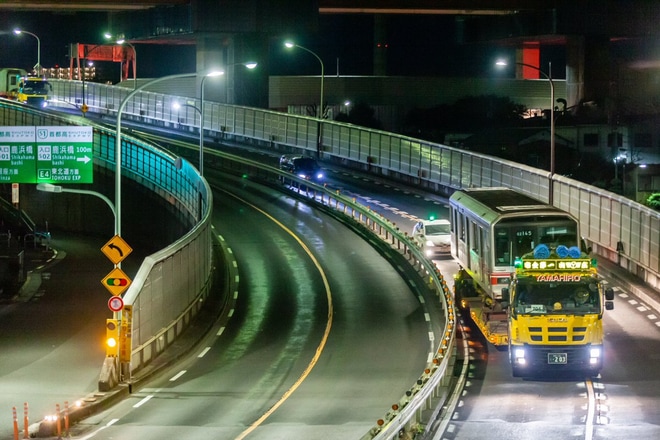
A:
x,y
530,54
210,55
588,70
239,85
574,70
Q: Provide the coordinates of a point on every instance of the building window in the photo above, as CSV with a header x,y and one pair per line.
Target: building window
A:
x,y
643,140
591,139
615,140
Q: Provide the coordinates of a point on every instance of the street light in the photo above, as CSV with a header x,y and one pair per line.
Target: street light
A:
x,y
122,41
37,66
248,64
640,166
201,116
552,119
49,187
118,154
177,106
319,113
290,45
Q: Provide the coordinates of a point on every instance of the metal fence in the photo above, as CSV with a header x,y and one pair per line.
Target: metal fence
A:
x,y
169,285
619,229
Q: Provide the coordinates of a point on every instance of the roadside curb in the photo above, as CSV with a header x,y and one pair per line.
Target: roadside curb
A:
x,y
630,282
221,303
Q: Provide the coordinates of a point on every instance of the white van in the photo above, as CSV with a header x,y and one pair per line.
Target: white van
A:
x,y
433,237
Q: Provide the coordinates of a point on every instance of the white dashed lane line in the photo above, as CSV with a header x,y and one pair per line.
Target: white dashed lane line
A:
x,y
641,307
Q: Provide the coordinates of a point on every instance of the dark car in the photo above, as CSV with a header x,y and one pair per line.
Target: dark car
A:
x,y
302,166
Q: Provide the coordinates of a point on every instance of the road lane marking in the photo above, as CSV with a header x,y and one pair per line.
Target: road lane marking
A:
x,y
142,402
92,434
326,333
178,375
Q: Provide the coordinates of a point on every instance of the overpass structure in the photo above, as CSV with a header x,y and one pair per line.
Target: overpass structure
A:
x,y
225,33
619,230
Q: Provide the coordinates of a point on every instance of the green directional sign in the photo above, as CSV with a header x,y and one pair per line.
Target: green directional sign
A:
x,y
18,155
57,154
64,154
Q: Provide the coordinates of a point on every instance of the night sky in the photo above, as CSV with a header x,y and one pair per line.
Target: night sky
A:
x,y
416,45
419,45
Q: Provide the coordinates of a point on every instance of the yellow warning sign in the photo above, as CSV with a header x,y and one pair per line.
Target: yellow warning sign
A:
x,y
116,249
116,281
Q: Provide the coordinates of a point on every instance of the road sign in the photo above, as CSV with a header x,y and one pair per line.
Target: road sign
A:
x,y
116,281
116,249
48,154
115,303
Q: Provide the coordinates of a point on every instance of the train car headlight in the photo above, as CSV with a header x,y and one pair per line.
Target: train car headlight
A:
x,y
519,356
594,355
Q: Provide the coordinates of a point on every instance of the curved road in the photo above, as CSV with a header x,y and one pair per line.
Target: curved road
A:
x,y
375,349
324,334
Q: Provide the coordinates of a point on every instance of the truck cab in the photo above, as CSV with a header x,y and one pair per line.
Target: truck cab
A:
x,y
34,91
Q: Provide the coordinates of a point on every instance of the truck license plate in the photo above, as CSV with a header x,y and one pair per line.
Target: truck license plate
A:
x,y
557,358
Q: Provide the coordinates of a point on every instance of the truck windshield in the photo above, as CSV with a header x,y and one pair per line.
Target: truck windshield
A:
x,y
38,87
558,298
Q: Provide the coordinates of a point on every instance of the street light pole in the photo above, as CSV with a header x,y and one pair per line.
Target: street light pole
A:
x,y
122,41
201,130
320,112
37,67
49,187
201,122
118,154
548,76
248,64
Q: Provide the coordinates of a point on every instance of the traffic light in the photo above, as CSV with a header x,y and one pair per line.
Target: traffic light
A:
x,y
111,337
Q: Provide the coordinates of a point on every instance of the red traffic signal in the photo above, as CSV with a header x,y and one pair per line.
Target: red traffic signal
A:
x,y
117,282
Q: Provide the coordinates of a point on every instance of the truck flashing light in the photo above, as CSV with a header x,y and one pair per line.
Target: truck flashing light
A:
x,y
557,265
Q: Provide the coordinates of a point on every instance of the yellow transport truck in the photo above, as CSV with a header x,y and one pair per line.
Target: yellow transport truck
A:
x,y
34,91
555,313
17,85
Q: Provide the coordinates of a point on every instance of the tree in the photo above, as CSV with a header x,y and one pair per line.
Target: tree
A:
x,y
653,201
360,114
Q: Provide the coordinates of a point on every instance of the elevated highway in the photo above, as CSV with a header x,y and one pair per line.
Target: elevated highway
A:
x,y
434,167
